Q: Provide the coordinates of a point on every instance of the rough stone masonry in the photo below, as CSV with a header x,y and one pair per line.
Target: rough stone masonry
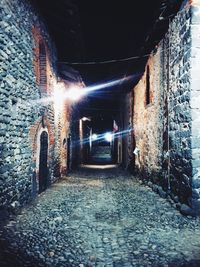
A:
x,y
167,128
28,74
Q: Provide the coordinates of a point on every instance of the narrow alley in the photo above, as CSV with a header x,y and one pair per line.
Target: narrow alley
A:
x,y
99,133
100,217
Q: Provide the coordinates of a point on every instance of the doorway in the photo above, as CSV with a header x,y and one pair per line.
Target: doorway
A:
x,y
43,168
68,154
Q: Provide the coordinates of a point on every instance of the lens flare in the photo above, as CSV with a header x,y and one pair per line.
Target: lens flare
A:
x,y
74,94
108,137
109,84
58,97
94,137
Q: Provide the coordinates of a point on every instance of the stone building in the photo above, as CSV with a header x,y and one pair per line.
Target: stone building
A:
x,y
34,117
166,111
42,133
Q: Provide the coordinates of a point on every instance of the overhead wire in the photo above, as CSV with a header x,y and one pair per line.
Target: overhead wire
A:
x,y
122,59
110,61
106,61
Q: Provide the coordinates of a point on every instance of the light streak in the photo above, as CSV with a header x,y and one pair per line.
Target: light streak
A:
x,y
108,137
94,137
86,119
109,84
74,93
101,137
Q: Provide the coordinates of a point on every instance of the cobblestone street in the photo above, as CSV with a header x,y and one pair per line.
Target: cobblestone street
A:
x,y
100,218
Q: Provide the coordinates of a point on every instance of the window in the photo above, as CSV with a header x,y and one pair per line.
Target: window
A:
x,y
148,86
42,67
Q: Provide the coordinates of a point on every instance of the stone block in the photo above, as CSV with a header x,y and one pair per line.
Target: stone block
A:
x,y
195,53
195,142
196,206
195,87
196,193
184,134
195,179
196,153
196,163
186,210
185,179
195,129
195,18
196,95
161,192
195,113
195,42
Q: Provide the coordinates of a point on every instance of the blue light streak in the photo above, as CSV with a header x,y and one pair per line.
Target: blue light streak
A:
x,y
84,91
101,137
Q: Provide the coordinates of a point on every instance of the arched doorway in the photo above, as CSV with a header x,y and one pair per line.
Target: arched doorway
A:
x,y
69,153
43,168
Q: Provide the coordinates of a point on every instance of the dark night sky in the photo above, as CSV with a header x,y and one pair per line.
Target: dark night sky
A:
x,y
115,29
101,29
98,30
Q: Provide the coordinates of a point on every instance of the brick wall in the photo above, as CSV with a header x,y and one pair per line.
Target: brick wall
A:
x,y
167,129
27,76
195,102
147,122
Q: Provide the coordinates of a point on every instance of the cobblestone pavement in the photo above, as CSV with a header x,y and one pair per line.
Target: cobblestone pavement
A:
x,y
100,218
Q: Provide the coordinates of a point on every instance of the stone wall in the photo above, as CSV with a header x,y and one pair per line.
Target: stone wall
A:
x,y
178,91
125,132
77,132
167,128
24,114
195,103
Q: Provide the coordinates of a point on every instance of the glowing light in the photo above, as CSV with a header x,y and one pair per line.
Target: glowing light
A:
x,y
106,166
58,97
108,137
101,137
85,119
42,101
75,93
108,84
94,137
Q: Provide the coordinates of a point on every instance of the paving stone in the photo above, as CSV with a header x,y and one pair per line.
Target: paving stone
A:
x,y
147,231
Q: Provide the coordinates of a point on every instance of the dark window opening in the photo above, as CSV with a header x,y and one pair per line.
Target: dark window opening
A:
x,y
43,167
148,86
68,153
42,67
